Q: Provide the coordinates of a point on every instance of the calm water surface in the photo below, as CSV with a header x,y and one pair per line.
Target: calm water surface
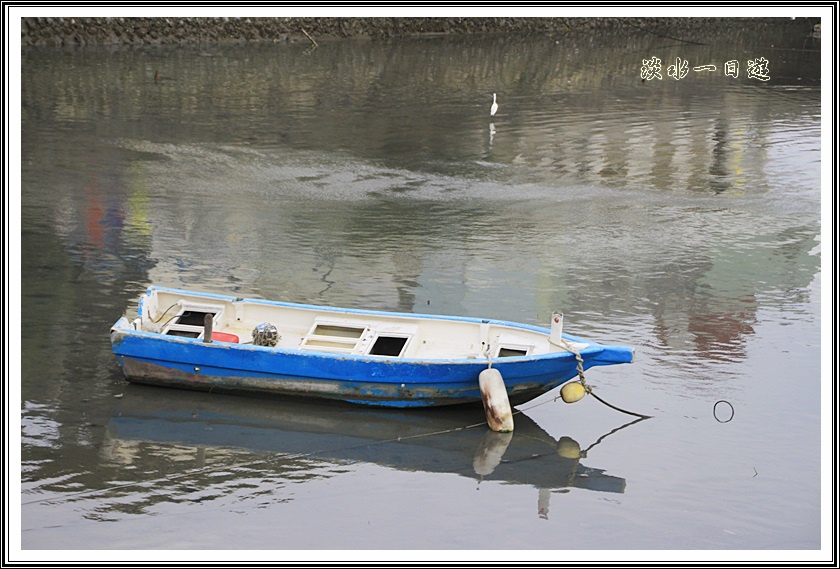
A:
x,y
680,217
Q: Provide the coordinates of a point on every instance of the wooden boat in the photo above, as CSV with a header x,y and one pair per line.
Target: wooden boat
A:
x,y
204,341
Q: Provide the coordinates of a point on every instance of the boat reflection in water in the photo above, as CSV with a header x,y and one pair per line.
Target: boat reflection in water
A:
x,y
152,426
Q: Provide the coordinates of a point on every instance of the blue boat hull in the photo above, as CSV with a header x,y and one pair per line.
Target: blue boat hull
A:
x,y
186,362
189,364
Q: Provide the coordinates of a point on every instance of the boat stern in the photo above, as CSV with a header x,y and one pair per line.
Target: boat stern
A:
x,y
120,327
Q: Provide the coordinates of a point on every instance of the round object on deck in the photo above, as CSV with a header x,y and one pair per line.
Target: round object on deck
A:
x,y
265,334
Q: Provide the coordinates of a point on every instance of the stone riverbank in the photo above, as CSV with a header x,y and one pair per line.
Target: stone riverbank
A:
x,y
57,32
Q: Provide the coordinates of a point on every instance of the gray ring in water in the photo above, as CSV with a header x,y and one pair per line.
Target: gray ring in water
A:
x,y
730,406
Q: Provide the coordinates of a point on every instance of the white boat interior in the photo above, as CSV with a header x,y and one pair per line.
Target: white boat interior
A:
x,y
303,327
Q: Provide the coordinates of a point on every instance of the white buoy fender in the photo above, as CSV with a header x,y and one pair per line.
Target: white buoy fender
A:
x,y
495,399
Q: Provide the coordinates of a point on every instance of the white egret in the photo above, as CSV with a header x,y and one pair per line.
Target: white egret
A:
x,y
494,107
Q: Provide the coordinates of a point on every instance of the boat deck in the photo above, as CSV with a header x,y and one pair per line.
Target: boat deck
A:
x,y
304,327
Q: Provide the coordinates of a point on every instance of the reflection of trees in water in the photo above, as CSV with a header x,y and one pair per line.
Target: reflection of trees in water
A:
x,y
700,275
186,474
587,116
711,328
86,244
720,332
714,307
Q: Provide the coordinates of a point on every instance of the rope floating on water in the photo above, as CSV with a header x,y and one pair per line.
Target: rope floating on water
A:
x,y
612,432
714,411
589,391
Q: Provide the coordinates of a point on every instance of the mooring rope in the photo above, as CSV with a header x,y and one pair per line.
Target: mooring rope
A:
x,y
602,437
566,345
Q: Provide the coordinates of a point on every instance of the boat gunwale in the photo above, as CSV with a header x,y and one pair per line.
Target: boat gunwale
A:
x,y
589,348
364,311
123,326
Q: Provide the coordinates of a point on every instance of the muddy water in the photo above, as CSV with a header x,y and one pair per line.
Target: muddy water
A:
x,y
678,216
